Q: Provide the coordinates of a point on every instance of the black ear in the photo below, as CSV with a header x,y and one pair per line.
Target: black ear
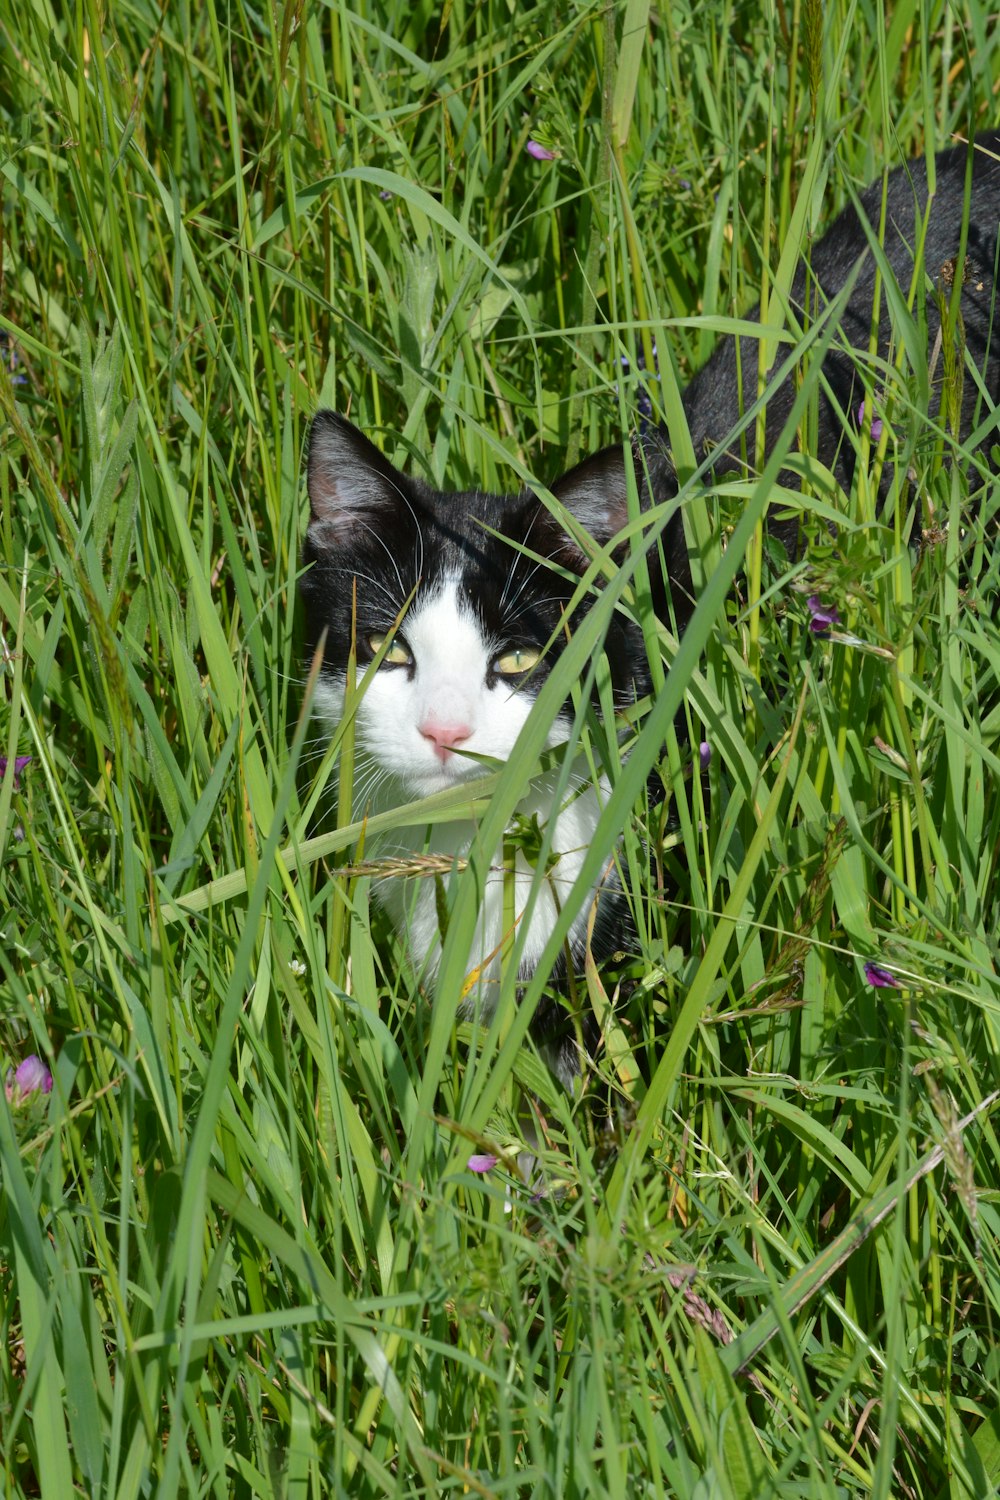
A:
x,y
350,481
596,493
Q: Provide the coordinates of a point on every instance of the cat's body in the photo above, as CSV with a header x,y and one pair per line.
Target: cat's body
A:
x,y
460,678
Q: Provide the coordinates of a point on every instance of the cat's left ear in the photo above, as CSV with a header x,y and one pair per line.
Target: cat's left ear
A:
x,y
352,486
595,492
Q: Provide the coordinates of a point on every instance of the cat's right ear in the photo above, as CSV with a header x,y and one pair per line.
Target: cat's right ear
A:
x,y
595,492
350,482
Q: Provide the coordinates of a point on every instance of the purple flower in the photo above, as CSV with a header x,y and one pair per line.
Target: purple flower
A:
x,y
876,422
482,1162
705,754
882,979
8,353
821,616
539,152
20,762
31,1076
640,359
642,397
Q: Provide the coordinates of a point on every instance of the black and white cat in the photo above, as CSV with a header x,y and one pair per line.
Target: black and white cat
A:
x,y
460,674
482,629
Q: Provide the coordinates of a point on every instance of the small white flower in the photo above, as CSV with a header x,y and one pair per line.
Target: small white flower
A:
x,y
297,967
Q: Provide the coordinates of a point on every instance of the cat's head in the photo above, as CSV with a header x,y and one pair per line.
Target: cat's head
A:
x,y
470,621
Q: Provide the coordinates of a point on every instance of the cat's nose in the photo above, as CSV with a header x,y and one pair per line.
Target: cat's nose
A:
x,y
444,736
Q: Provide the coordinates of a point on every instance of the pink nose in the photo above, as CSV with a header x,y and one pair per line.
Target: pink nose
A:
x,y
444,737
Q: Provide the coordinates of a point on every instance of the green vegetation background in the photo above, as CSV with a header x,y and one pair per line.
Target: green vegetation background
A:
x,y
241,1253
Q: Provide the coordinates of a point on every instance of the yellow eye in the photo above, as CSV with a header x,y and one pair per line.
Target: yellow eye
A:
x,y
396,656
521,659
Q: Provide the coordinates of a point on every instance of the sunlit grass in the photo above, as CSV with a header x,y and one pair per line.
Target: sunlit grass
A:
x,y
240,1249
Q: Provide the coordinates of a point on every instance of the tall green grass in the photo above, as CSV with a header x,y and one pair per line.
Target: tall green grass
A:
x,y
240,1249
